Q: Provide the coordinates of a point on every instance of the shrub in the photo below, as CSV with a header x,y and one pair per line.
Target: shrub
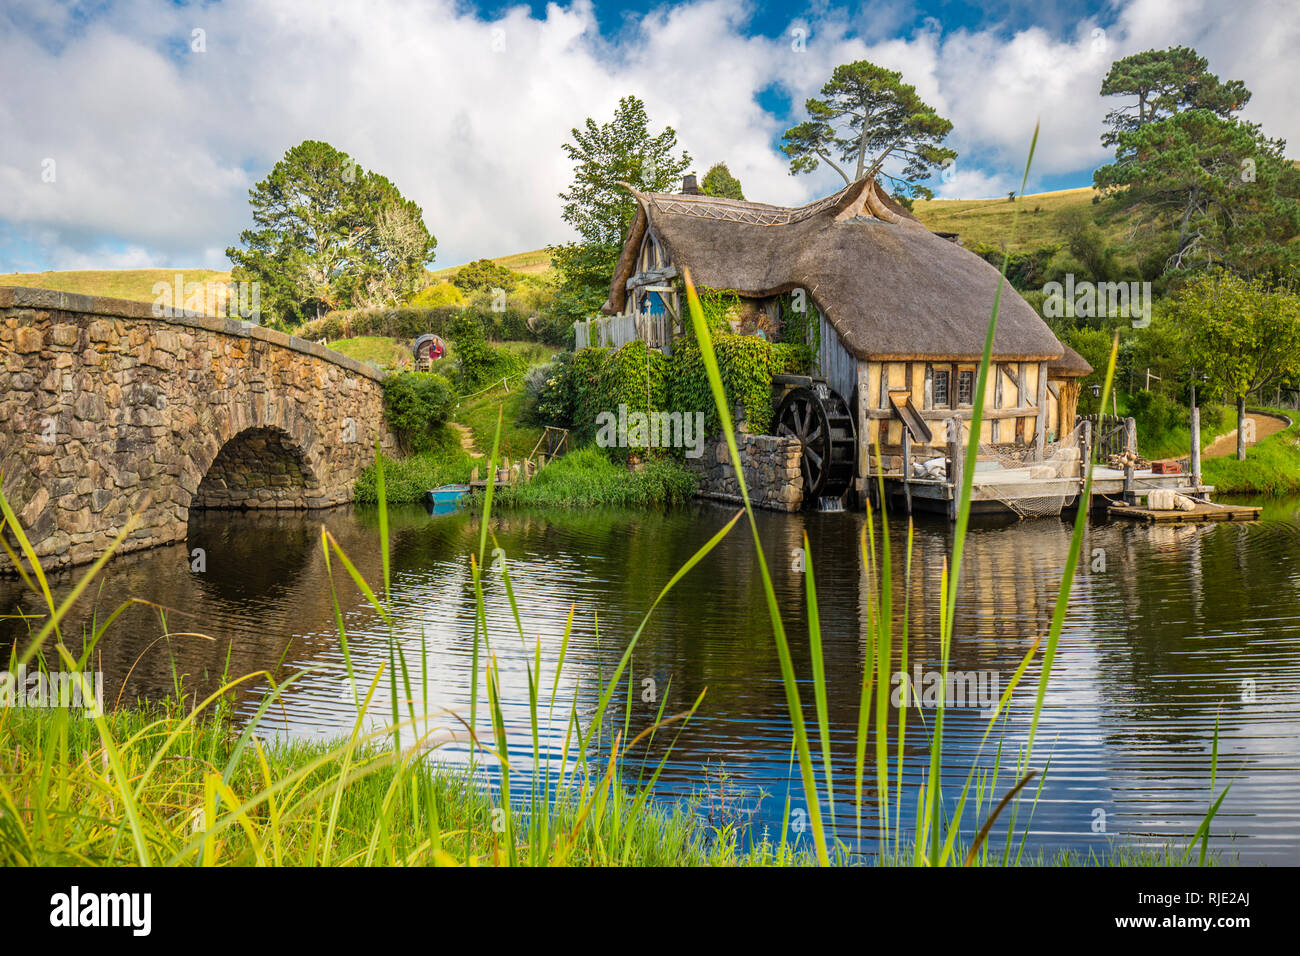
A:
x,y
437,295
550,393
415,405
479,362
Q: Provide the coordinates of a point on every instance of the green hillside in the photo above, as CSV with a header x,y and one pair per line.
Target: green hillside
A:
x,y
1040,223
134,284
536,263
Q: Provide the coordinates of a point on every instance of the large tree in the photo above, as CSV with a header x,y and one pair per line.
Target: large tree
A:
x,y
328,234
1223,192
605,155
874,124
1165,82
1243,335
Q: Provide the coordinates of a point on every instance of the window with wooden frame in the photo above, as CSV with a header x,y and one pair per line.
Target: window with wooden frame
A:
x,y
965,386
940,389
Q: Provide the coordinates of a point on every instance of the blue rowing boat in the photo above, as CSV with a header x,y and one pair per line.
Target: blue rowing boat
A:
x,y
446,498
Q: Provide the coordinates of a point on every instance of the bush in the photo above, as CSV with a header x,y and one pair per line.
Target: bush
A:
x,y
550,393
410,322
438,295
479,362
416,404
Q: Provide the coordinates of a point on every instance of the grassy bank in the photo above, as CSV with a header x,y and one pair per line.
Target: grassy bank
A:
x,y
587,478
1272,467
135,285
59,783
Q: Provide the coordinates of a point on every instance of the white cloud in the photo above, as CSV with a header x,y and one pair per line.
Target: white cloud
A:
x,y
156,146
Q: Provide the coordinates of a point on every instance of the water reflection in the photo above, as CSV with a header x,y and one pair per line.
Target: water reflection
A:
x,y
1170,629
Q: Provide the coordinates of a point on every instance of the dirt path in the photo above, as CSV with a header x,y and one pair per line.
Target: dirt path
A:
x,y
466,439
1224,445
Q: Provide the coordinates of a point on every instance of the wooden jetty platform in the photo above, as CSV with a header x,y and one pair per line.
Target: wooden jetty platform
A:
x,y
1204,511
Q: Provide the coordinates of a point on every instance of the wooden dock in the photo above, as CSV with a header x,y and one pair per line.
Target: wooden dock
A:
x,y
1204,511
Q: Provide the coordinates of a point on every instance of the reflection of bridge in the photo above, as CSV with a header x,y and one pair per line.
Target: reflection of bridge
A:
x,y
107,408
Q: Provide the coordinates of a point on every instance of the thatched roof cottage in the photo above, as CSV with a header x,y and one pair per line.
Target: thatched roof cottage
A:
x,y
902,312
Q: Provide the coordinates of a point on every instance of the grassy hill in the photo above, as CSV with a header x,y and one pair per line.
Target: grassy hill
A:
x,y
133,284
990,220
536,263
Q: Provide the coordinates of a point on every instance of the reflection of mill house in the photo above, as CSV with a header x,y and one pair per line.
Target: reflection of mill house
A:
x,y
901,314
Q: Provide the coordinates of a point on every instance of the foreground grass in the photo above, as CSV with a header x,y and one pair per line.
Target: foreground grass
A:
x,y
1272,467
587,478
64,796
63,806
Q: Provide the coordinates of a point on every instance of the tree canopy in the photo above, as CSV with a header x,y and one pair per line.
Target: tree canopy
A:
x,y
328,234
1242,334
874,124
1212,190
1166,82
718,181
604,155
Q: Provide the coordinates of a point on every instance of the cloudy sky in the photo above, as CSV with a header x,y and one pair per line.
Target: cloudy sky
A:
x,y
133,130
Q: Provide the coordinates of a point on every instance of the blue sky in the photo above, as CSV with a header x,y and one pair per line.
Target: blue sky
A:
x,y
134,128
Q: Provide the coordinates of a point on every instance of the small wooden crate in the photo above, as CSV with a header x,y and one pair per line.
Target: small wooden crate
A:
x,y
1166,467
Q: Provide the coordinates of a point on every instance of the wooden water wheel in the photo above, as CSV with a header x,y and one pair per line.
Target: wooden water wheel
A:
x,y
823,424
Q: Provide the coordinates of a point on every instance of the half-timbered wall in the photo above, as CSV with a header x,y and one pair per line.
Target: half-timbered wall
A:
x,y
1015,394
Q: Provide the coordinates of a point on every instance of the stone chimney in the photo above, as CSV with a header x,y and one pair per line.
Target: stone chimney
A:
x,y
690,187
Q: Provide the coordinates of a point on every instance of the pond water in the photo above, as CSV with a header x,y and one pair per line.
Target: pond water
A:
x,y
1171,630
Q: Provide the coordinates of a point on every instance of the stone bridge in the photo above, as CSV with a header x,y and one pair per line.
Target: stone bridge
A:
x,y
106,408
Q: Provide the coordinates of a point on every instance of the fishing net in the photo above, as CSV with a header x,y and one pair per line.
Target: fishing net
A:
x,y
1029,486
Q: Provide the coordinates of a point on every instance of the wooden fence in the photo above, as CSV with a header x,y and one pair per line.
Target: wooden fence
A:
x,y
615,331
1111,435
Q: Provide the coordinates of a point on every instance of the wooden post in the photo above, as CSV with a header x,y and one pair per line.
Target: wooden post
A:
x,y
1040,427
954,466
1196,447
907,466
1130,447
1085,456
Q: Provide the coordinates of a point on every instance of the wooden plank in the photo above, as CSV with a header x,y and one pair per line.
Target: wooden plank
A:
x,y
1040,425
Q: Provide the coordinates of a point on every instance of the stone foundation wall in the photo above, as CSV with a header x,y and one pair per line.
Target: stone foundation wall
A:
x,y
771,468
106,409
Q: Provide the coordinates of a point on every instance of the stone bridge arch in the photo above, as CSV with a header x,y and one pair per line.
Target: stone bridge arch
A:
x,y
106,408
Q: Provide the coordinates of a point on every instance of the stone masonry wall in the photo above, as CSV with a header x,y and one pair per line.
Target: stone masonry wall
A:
x,y
771,468
106,409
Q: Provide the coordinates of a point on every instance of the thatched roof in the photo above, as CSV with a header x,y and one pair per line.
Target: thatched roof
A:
x,y
1070,365
891,288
